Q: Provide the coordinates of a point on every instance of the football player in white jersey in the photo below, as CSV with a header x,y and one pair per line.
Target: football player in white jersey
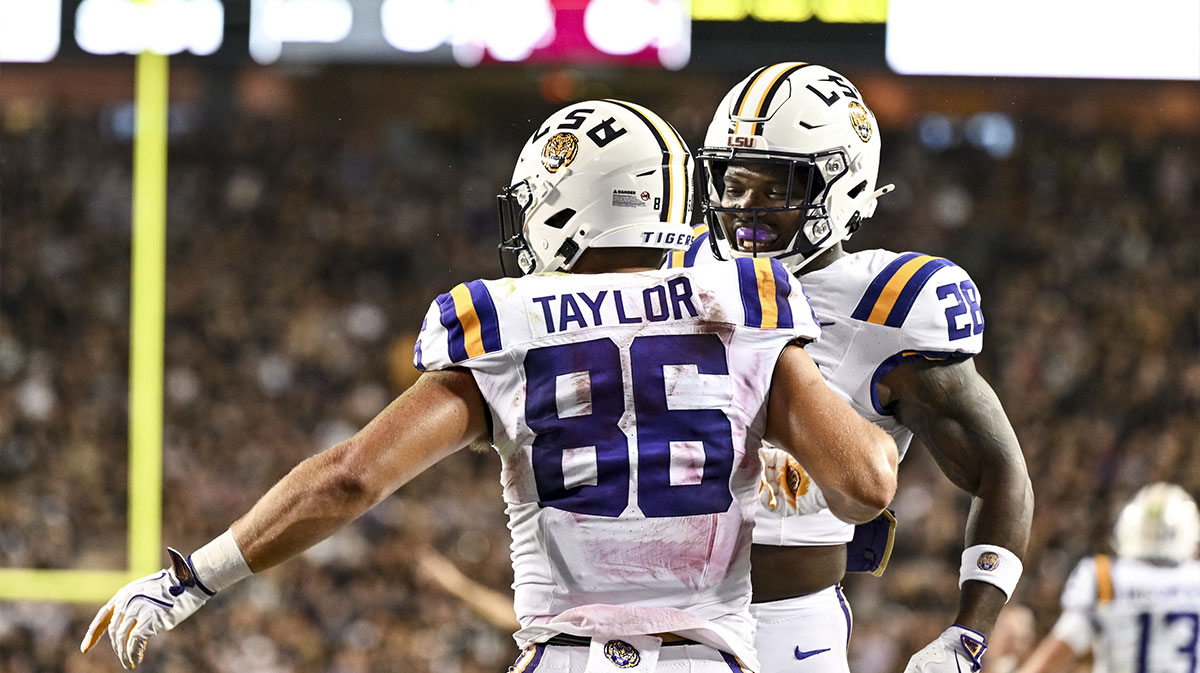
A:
x,y
627,404
790,162
1138,612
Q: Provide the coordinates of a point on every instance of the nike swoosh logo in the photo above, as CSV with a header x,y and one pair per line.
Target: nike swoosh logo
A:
x,y
802,655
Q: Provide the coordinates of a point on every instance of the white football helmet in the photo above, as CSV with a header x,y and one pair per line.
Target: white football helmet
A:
x,y
1161,523
596,174
812,120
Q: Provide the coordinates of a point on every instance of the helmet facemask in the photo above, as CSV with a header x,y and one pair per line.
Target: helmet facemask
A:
x,y
813,120
514,204
804,198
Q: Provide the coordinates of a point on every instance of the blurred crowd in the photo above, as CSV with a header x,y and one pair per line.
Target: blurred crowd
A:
x,y
301,260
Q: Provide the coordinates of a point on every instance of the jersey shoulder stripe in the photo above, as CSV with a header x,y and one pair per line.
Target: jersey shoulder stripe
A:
x,y
891,294
765,285
1104,579
469,316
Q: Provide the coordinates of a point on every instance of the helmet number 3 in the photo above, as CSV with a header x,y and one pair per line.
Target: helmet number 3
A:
x,y
833,96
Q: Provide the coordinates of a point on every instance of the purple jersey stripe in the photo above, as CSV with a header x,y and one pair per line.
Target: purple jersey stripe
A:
x,y
867,303
417,361
735,664
912,288
456,345
531,665
783,289
748,284
904,356
689,257
485,310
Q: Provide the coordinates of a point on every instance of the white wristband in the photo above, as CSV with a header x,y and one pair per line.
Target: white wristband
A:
x,y
992,564
219,564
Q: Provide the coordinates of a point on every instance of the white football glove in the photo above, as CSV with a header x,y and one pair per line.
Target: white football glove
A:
x,y
784,486
146,607
957,650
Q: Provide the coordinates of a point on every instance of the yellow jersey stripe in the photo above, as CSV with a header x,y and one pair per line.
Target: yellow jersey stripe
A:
x,y
891,291
766,292
1104,581
464,306
523,662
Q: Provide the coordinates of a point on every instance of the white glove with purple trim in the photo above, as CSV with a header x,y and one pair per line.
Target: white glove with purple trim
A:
x,y
146,607
784,486
957,650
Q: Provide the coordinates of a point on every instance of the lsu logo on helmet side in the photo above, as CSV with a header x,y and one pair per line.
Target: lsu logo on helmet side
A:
x,y
622,654
860,120
560,151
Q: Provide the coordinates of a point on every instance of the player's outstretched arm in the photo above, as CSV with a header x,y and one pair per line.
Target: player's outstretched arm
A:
x,y
955,413
852,460
443,412
1052,655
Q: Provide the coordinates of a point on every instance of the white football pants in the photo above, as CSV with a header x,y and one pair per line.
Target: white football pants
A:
x,y
807,634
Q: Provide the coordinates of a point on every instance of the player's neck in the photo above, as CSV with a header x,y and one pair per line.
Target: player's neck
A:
x,y
824,259
618,260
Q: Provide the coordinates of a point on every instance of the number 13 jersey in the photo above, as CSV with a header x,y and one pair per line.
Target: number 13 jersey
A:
x,y
627,411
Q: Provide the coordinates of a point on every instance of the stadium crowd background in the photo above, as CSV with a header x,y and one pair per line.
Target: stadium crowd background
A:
x,y
306,241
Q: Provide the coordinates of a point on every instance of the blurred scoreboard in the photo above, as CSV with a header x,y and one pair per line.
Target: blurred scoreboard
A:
x,y
1005,38
467,32
470,32
656,33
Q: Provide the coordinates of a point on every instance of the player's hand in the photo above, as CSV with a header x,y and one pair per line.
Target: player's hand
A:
x,y
146,607
785,487
957,650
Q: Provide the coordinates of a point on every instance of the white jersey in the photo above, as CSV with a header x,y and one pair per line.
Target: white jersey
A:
x,y
627,410
876,309
1135,617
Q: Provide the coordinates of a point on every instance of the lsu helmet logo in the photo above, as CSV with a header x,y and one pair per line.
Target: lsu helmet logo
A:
x,y
988,561
622,654
560,150
860,120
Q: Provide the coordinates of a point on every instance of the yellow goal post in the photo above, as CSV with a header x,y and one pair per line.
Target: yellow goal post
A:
x,y
147,308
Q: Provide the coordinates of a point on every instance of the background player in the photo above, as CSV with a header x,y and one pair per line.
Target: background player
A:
x,y
790,161
627,409
1139,611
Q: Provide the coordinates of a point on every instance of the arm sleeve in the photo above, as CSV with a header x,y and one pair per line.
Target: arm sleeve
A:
x,y
460,325
940,315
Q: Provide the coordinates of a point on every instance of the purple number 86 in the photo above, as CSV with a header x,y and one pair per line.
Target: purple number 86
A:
x,y
657,427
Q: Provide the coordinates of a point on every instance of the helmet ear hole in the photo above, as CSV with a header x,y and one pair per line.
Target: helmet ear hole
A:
x,y
858,189
559,220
